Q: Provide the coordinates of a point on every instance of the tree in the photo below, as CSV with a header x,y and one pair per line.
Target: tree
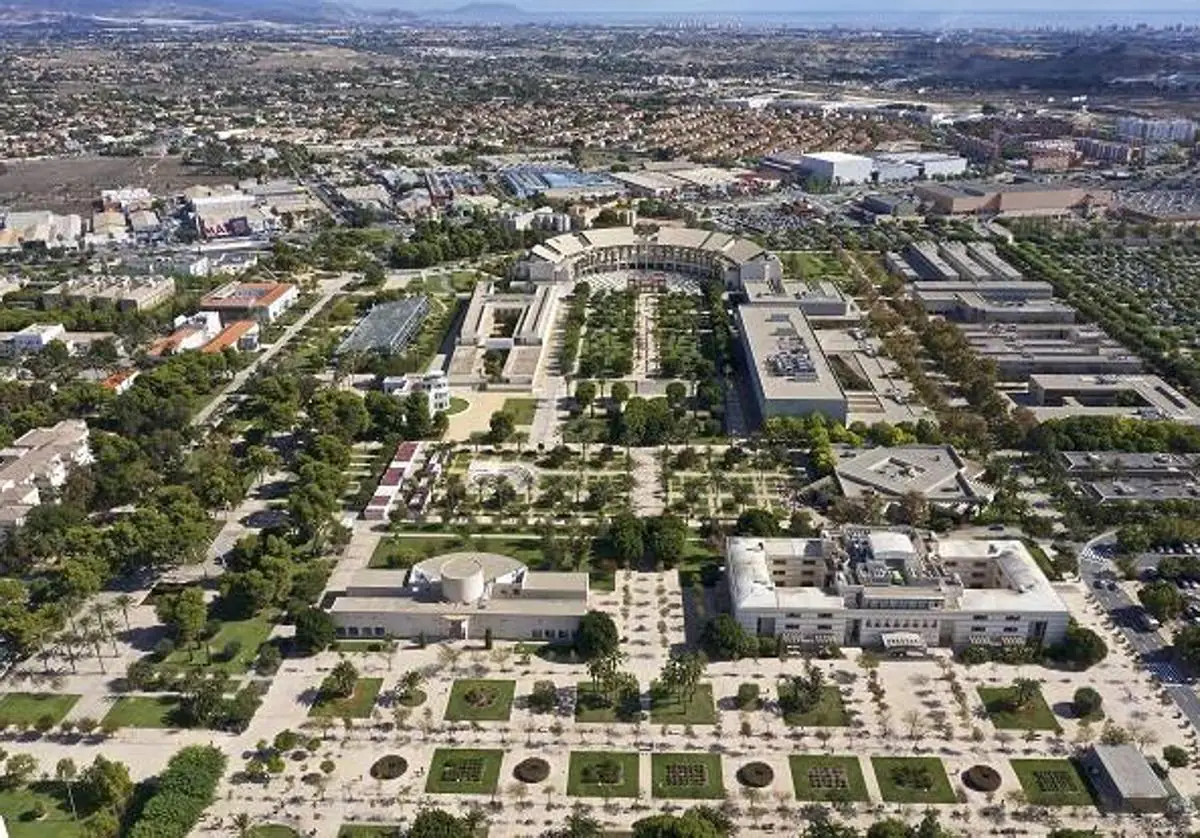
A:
x,y
436,823
66,772
1176,757
544,697
1187,645
597,635
578,825
185,613
666,539
18,769
1162,599
619,393
687,825
1081,647
1087,702
757,522
724,639
889,828
341,681
315,631
1025,690
501,426
585,395
626,535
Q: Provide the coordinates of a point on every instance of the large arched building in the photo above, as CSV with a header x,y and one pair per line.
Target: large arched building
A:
x,y
680,250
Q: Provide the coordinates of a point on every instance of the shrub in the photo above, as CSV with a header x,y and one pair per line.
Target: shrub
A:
x,y
389,767
755,775
982,778
544,697
748,697
1086,702
1176,757
183,791
532,770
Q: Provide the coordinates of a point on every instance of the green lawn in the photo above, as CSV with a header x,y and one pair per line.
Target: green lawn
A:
x,y
1053,782
1035,715
27,708
579,784
16,806
627,707
248,635
464,771
273,830
457,405
143,711
912,780
831,779
829,712
521,410
357,706
480,700
670,710
687,776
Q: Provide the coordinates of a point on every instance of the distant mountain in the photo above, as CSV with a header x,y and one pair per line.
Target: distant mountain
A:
x,y
214,11
488,11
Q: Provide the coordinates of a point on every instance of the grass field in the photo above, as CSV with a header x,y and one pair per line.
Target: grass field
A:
x,y
494,701
669,709
627,707
581,761
16,806
464,771
1035,715
1053,782
143,711
521,410
687,776
247,635
357,706
829,712
457,405
833,779
912,780
27,708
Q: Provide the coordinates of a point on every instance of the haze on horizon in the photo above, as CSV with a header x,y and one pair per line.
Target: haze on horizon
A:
x,y
818,7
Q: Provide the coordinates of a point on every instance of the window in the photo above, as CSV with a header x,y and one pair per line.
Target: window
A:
x,y
380,631
824,626
825,616
979,618
536,634
341,631
353,631
562,633
1010,629
1011,618
791,626
978,630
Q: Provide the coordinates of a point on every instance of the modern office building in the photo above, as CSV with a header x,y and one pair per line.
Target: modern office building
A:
x,y
928,262
889,589
1130,396
789,373
698,253
937,473
388,328
462,596
1020,350
989,302
517,322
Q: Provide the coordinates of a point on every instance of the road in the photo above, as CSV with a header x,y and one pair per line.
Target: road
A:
x,y
330,287
1151,651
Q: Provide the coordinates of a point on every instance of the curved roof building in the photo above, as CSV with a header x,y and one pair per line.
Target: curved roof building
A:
x,y
671,249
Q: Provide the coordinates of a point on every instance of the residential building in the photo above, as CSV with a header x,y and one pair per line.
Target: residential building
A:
x,y
127,293
37,336
39,460
1156,130
891,590
262,301
462,596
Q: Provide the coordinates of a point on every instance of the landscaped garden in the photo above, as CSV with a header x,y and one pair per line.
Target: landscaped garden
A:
x,y
827,778
231,649
919,780
671,707
20,807
463,771
828,711
1018,707
521,410
158,711
1053,782
480,700
358,705
687,776
608,341
603,774
30,708
591,707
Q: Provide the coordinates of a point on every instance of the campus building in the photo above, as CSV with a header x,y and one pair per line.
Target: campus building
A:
x,y
462,596
789,373
127,293
1014,199
516,322
262,301
1130,396
433,384
38,460
388,328
1124,780
889,589
697,253
938,473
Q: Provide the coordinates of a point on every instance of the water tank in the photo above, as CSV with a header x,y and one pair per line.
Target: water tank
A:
x,y
462,580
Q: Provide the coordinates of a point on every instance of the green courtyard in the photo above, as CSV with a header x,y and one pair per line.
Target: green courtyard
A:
x,y
29,708
464,771
603,774
671,708
480,700
1053,782
832,779
355,706
919,780
687,776
1002,710
829,712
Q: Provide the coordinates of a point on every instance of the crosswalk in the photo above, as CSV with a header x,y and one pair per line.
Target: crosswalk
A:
x,y
1166,672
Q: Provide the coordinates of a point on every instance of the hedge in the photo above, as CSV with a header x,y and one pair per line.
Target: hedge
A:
x,y
182,792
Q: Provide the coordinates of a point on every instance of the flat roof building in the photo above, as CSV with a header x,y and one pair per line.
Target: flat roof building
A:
x,y
262,301
1124,779
127,293
1013,199
38,460
788,370
937,473
462,596
836,167
1131,396
1020,350
891,590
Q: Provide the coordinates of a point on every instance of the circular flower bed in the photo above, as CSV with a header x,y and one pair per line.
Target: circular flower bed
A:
x,y
532,770
982,778
412,698
756,775
389,767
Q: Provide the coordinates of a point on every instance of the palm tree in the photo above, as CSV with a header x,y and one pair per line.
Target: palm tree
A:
x,y
91,637
1024,690
125,602
65,771
101,611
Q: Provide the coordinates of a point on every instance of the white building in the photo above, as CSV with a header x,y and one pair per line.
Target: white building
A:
x,y
789,373
880,588
38,460
1156,130
433,384
837,167
462,596
37,336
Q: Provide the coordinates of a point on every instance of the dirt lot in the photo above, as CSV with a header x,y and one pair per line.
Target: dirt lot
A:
x,y
71,184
